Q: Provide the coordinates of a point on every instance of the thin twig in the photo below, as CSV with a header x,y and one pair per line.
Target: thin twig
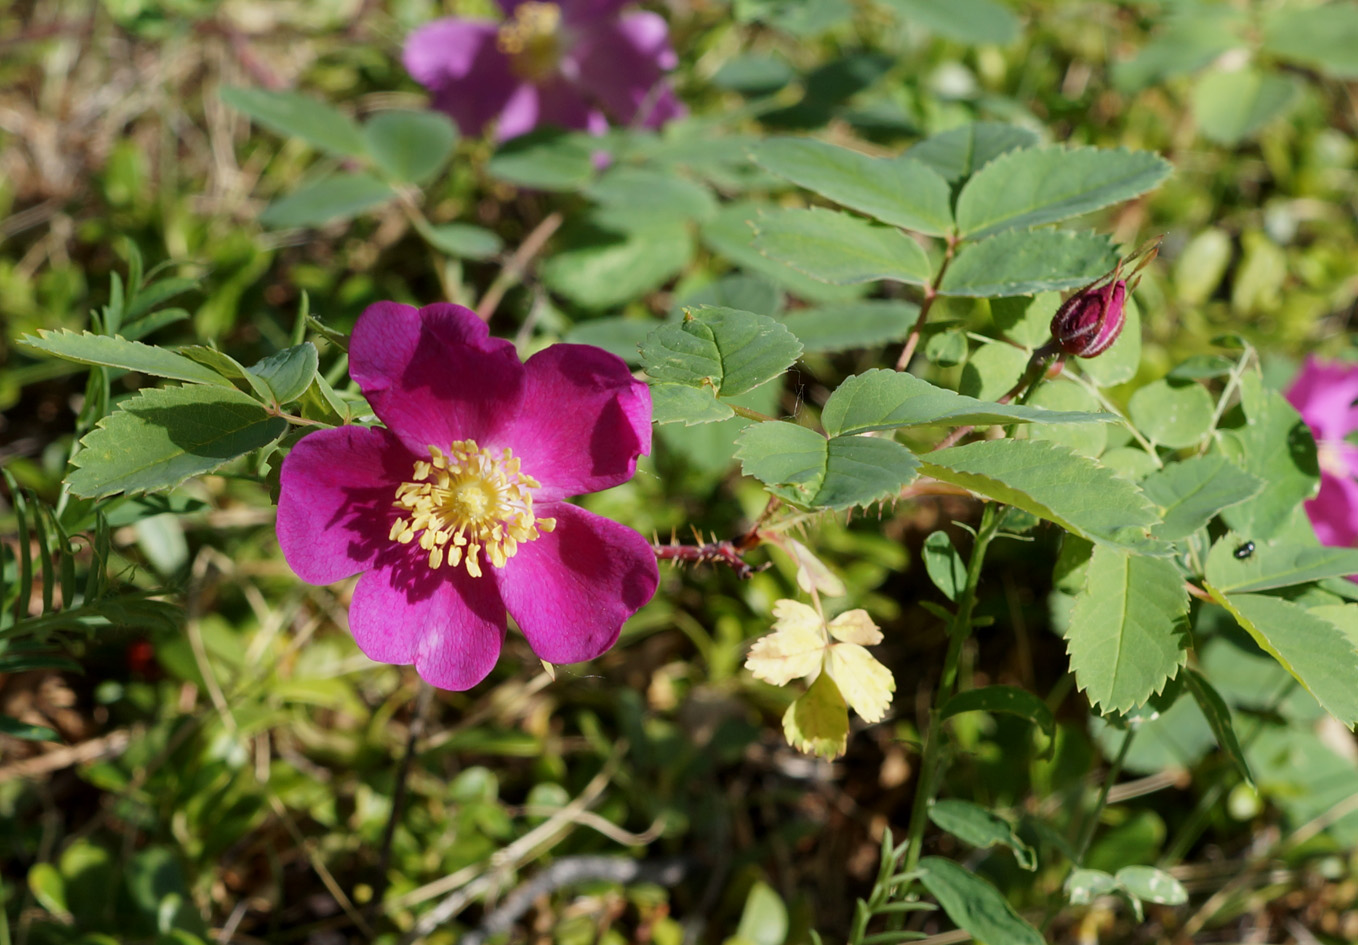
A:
x,y
417,719
517,265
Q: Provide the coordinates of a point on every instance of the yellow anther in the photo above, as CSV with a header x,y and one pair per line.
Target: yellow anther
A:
x,y
464,500
532,40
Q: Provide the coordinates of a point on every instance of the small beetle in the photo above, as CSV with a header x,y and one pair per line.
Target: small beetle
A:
x,y
1244,550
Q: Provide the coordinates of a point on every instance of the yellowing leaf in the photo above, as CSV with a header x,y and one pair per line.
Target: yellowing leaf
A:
x,y
790,614
864,682
812,572
855,626
787,654
818,722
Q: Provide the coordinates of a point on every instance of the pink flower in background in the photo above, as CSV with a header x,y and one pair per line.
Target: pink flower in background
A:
x,y
1324,395
455,510
574,63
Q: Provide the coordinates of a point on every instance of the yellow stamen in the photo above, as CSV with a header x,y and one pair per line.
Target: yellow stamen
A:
x,y
532,40
466,501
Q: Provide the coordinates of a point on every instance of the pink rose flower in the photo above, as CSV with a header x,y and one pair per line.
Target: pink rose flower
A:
x,y
456,511
573,63
1324,395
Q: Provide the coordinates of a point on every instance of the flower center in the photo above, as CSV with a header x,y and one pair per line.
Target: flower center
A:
x,y
467,500
532,40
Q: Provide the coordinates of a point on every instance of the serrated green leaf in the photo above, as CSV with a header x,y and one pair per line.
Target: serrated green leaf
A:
x,y
840,249
1324,36
1020,262
160,437
1318,654
1232,106
546,159
1033,186
730,234
805,468
89,348
966,21
1218,716
1009,700
463,240
848,325
288,372
629,197
1054,483
1175,414
227,366
975,905
883,400
1274,564
1128,631
1152,885
616,334
679,403
294,115
960,152
1063,394
1276,446
410,146
974,825
337,197
1191,38
727,350
899,191
992,371
598,268
1193,492
943,564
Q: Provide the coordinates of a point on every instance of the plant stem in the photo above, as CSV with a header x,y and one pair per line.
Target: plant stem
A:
x,y
518,264
930,293
959,629
423,699
1092,821
749,414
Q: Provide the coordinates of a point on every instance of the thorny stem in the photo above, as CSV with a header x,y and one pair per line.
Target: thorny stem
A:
x,y
518,263
728,552
959,630
930,293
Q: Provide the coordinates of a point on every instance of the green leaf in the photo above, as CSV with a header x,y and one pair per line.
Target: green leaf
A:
x,y
546,159
1232,106
616,334
883,400
679,403
764,919
967,21
26,730
1063,394
299,116
288,372
1054,483
337,197
1042,185
1316,652
805,468
598,269
1274,445
1274,564
89,348
840,249
1128,631
1152,885
1192,37
1325,37
899,191
960,152
631,197
1025,319
463,240
992,371
160,437
1218,716
227,366
943,564
410,146
1191,493
818,722
975,905
722,348
1083,886
974,825
1009,700
1021,262
849,325
48,888
730,234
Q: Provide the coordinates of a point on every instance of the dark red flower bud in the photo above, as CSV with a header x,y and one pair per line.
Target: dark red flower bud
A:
x,y
1090,321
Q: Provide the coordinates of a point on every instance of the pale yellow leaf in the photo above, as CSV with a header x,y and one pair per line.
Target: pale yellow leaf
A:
x,y
787,654
818,722
866,684
793,615
812,572
855,626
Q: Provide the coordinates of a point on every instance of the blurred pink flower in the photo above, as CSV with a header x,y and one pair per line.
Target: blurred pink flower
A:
x,y
573,63
1324,395
455,510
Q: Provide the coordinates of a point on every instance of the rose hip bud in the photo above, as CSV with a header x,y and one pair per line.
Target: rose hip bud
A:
x,y
1090,321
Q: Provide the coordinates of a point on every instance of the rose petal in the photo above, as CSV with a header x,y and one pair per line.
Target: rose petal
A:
x,y
582,422
619,62
551,101
461,65
434,375
335,504
1324,393
1334,511
571,589
448,623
